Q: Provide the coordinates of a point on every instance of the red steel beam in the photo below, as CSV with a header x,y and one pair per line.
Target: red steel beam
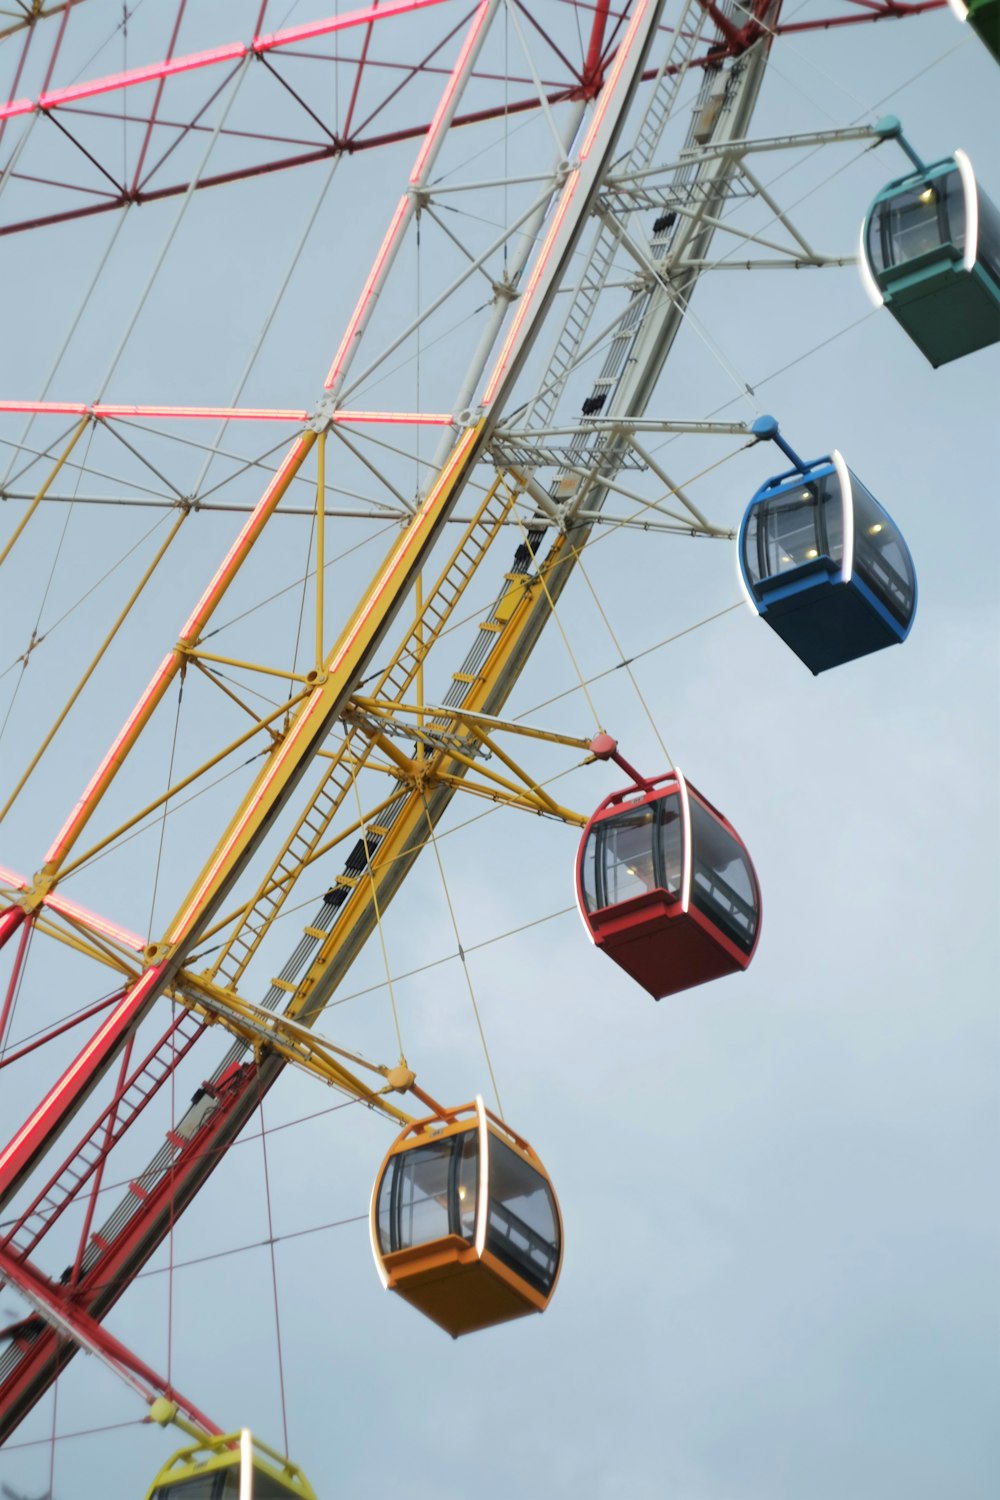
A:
x,y
46,1353
883,10
79,1328
193,61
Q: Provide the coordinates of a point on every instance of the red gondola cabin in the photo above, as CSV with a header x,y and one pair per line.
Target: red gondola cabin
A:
x,y
666,888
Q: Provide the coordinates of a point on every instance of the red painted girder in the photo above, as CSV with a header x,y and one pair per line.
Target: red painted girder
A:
x,y
262,169
91,1335
88,1156
15,973
42,1357
61,1102
883,10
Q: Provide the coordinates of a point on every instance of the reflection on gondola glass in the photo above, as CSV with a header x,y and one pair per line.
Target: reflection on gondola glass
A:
x,y
722,880
794,527
522,1229
430,1192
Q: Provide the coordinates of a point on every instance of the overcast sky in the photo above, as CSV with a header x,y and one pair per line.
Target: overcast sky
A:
x,y
779,1191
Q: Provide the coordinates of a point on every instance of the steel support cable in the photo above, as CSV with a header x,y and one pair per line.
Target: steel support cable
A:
x,y
52,1436
82,1432
274,1271
461,954
37,453
60,719
103,851
32,643
263,603
9,545
9,1006
627,666
61,620
265,328
234,1250
245,1139
447,958
33,1039
559,626
636,656
239,75
163,819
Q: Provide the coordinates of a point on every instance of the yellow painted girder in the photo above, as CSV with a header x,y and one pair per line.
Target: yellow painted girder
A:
x,y
260,1028
90,946
404,668
95,662
75,437
186,781
252,666
533,600
288,878
488,723
313,719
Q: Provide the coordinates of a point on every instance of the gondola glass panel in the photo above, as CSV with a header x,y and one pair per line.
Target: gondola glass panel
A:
x,y
826,566
931,253
723,885
465,1224
690,911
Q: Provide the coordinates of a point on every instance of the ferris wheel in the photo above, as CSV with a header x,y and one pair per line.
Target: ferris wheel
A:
x,y
349,486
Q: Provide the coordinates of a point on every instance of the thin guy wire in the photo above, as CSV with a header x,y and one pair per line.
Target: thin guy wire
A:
x,y
240,75
274,1267
559,625
461,954
163,820
617,645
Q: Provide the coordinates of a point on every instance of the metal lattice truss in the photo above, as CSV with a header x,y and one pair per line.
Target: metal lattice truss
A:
x,y
542,307
380,61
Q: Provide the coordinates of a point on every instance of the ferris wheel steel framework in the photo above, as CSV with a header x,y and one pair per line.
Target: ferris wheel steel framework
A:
x,y
526,601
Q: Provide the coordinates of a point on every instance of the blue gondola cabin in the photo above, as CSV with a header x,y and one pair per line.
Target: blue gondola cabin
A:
x,y
825,566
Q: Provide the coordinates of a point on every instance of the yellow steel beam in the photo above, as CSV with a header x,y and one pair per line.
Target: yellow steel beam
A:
x,y
179,786
320,545
77,433
520,801
299,1045
82,940
312,721
252,666
95,662
463,715
306,841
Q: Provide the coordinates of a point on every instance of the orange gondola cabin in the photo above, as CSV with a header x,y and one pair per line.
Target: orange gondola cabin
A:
x,y
465,1225
666,887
